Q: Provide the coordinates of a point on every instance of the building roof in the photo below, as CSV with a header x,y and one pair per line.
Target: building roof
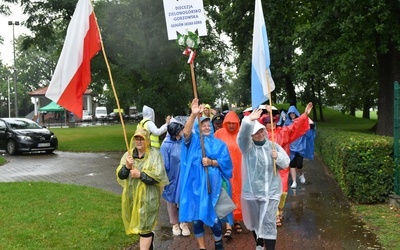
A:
x,y
42,92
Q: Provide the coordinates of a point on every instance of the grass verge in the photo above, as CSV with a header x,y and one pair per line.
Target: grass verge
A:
x,y
94,139
384,220
60,216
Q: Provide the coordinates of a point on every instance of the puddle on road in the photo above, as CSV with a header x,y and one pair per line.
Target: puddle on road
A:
x,y
307,215
92,174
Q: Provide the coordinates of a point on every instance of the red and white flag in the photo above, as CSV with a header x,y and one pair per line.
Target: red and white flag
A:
x,y
72,75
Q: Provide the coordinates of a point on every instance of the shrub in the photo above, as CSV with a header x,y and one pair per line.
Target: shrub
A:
x,y
362,163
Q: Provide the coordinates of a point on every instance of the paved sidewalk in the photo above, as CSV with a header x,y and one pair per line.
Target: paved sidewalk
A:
x,y
316,214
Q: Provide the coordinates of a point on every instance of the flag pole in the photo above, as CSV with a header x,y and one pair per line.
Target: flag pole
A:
x,y
271,118
112,83
203,152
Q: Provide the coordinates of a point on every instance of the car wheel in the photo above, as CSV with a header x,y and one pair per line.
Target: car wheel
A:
x,y
11,147
50,151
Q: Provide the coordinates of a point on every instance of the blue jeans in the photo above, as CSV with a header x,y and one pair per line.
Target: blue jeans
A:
x,y
198,228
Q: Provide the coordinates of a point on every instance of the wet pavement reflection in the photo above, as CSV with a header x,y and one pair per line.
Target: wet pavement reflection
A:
x,y
317,216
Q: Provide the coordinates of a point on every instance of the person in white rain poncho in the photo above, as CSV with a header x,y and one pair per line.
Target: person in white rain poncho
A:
x,y
148,123
261,184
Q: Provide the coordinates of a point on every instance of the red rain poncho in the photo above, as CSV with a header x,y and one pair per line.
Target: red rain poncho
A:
x,y
236,156
286,135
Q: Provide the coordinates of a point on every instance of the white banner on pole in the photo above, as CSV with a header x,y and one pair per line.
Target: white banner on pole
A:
x,y
184,15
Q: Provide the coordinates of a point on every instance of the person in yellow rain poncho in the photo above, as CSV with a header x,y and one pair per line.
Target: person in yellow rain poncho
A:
x,y
142,175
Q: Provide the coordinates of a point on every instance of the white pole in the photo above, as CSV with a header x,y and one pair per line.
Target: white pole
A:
x,y
8,98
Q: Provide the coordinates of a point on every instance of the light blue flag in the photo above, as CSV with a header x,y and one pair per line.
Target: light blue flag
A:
x,y
260,72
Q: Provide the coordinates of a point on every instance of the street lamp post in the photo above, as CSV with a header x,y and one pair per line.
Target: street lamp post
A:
x,y
8,97
220,88
15,67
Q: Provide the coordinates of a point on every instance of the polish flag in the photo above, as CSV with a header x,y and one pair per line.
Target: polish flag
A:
x,y
72,75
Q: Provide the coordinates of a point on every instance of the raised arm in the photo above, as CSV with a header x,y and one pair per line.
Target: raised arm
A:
x,y
308,108
244,137
196,109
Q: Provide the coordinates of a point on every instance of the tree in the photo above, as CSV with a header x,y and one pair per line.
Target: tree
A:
x,y
145,66
345,50
364,38
5,74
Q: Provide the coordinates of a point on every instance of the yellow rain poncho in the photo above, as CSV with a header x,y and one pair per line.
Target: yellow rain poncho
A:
x,y
140,201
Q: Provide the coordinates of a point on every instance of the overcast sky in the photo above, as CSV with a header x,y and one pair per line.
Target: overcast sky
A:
x,y
6,49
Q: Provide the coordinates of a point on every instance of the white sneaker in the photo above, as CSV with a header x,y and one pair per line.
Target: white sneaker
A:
x,y
294,185
185,229
176,230
259,248
302,179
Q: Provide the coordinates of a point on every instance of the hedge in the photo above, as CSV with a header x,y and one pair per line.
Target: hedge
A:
x,y
362,164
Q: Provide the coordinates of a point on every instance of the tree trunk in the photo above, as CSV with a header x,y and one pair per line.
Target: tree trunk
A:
x,y
291,93
388,71
366,107
321,113
352,110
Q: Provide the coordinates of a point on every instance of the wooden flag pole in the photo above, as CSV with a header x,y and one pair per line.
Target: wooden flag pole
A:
x,y
203,151
112,84
271,118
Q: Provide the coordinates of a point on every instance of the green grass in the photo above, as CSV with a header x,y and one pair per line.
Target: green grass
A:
x,y
337,120
43,215
94,139
384,220
373,115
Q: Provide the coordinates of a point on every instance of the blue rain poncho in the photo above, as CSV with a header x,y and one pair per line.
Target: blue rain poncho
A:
x,y
171,153
195,201
304,145
140,201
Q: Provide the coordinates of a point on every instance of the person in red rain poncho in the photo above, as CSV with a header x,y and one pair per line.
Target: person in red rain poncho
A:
x,y
228,134
284,136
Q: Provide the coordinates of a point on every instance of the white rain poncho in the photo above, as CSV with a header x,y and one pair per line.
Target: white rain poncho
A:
x,y
261,185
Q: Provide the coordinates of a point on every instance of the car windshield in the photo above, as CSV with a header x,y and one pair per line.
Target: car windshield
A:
x,y
23,124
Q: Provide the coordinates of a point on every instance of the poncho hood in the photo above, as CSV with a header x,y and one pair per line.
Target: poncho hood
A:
x,y
231,117
148,113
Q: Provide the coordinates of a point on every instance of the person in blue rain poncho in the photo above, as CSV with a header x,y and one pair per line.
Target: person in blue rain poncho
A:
x,y
142,175
301,148
261,182
171,153
196,204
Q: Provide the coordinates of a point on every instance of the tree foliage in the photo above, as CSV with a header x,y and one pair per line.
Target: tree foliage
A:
x,y
332,52
145,67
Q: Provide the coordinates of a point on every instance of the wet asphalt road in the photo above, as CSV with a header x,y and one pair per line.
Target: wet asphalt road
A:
x,y
317,216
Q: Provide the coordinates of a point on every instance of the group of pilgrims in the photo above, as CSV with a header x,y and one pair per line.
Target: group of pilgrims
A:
x,y
227,171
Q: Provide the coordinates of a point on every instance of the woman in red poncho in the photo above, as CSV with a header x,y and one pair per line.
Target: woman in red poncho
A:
x,y
228,134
